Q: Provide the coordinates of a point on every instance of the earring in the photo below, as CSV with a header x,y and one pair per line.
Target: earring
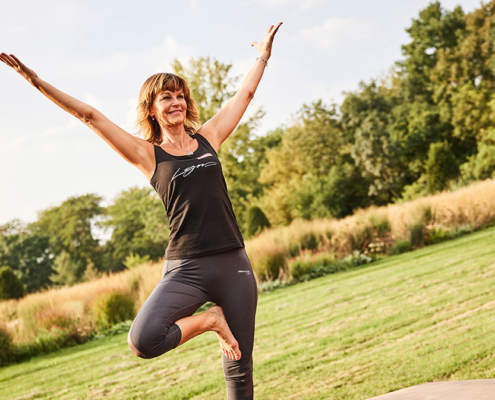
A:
x,y
152,118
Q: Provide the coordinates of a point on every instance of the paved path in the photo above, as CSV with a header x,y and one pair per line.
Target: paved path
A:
x,y
479,389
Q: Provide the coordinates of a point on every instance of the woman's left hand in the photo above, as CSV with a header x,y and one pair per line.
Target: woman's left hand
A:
x,y
265,46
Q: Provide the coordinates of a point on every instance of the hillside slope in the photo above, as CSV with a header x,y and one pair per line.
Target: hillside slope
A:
x,y
422,316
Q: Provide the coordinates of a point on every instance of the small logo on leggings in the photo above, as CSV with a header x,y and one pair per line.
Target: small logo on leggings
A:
x,y
247,272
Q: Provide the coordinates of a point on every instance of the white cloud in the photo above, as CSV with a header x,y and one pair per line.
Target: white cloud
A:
x,y
337,32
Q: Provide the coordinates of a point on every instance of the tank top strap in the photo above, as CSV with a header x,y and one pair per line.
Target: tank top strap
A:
x,y
205,142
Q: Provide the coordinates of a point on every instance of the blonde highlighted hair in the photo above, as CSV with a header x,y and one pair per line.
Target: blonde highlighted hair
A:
x,y
150,129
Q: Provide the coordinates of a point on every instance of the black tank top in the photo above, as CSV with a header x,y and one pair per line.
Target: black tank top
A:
x,y
194,192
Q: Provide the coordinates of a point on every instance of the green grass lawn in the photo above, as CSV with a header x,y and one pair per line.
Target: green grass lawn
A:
x,y
427,315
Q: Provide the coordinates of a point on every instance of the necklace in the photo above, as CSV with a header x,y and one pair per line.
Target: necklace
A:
x,y
189,153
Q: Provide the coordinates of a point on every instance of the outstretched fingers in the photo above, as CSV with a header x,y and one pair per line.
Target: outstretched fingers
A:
x,y
7,59
276,28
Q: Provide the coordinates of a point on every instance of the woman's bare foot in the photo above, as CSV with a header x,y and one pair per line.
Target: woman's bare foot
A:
x,y
230,347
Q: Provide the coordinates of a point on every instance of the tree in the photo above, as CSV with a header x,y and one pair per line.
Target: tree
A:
x,y
69,229
423,114
367,118
256,221
297,171
441,167
28,253
139,226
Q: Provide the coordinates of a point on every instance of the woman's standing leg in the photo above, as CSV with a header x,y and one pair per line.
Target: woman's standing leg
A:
x,y
234,289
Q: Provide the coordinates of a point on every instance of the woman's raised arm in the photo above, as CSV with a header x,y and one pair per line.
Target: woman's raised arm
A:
x,y
217,129
131,148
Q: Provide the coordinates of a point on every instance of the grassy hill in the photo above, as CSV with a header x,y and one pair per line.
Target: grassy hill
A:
x,y
426,315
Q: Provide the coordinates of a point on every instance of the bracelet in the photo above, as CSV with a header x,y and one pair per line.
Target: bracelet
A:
x,y
265,61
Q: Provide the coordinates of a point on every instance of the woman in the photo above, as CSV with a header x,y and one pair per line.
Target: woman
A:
x,y
205,258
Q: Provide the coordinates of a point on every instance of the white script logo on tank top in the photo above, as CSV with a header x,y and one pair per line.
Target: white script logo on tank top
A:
x,y
190,169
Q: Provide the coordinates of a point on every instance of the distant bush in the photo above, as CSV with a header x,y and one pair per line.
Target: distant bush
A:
x,y
356,258
401,246
10,285
302,266
7,348
439,233
112,308
256,221
314,265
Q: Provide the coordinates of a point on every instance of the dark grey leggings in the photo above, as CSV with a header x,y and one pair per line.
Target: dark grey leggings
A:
x,y
225,279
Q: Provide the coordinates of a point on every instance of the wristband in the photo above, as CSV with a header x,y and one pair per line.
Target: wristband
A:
x,y
265,61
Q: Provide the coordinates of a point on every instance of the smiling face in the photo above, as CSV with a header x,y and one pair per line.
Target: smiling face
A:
x,y
169,107
165,101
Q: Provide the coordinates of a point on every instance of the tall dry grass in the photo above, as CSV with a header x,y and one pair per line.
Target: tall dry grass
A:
x,y
378,229
40,312
372,230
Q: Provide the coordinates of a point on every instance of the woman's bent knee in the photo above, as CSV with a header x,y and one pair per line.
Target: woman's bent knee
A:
x,y
150,346
135,350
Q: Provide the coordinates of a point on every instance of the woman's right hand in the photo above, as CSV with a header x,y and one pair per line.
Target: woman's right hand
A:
x,y
14,62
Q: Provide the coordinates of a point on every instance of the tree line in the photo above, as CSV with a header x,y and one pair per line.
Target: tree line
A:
x,y
428,125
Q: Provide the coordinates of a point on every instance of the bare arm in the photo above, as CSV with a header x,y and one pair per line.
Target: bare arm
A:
x,y
217,129
131,148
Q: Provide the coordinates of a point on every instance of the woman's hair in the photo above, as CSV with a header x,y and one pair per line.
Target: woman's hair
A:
x,y
149,128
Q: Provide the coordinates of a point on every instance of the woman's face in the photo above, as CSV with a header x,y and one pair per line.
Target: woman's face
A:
x,y
169,108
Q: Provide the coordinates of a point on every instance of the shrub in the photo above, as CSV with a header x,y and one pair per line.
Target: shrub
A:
x,y
401,246
307,262
10,285
7,348
356,258
256,221
112,308
437,234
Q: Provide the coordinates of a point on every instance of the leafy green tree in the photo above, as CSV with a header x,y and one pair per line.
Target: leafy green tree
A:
x,y
11,286
335,195
139,226
28,253
435,30
441,167
367,118
423,114
482,164
65,270
256,221
300,171
465,78
69,228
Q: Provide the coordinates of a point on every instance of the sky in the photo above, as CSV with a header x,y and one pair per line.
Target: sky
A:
x,y
102,51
